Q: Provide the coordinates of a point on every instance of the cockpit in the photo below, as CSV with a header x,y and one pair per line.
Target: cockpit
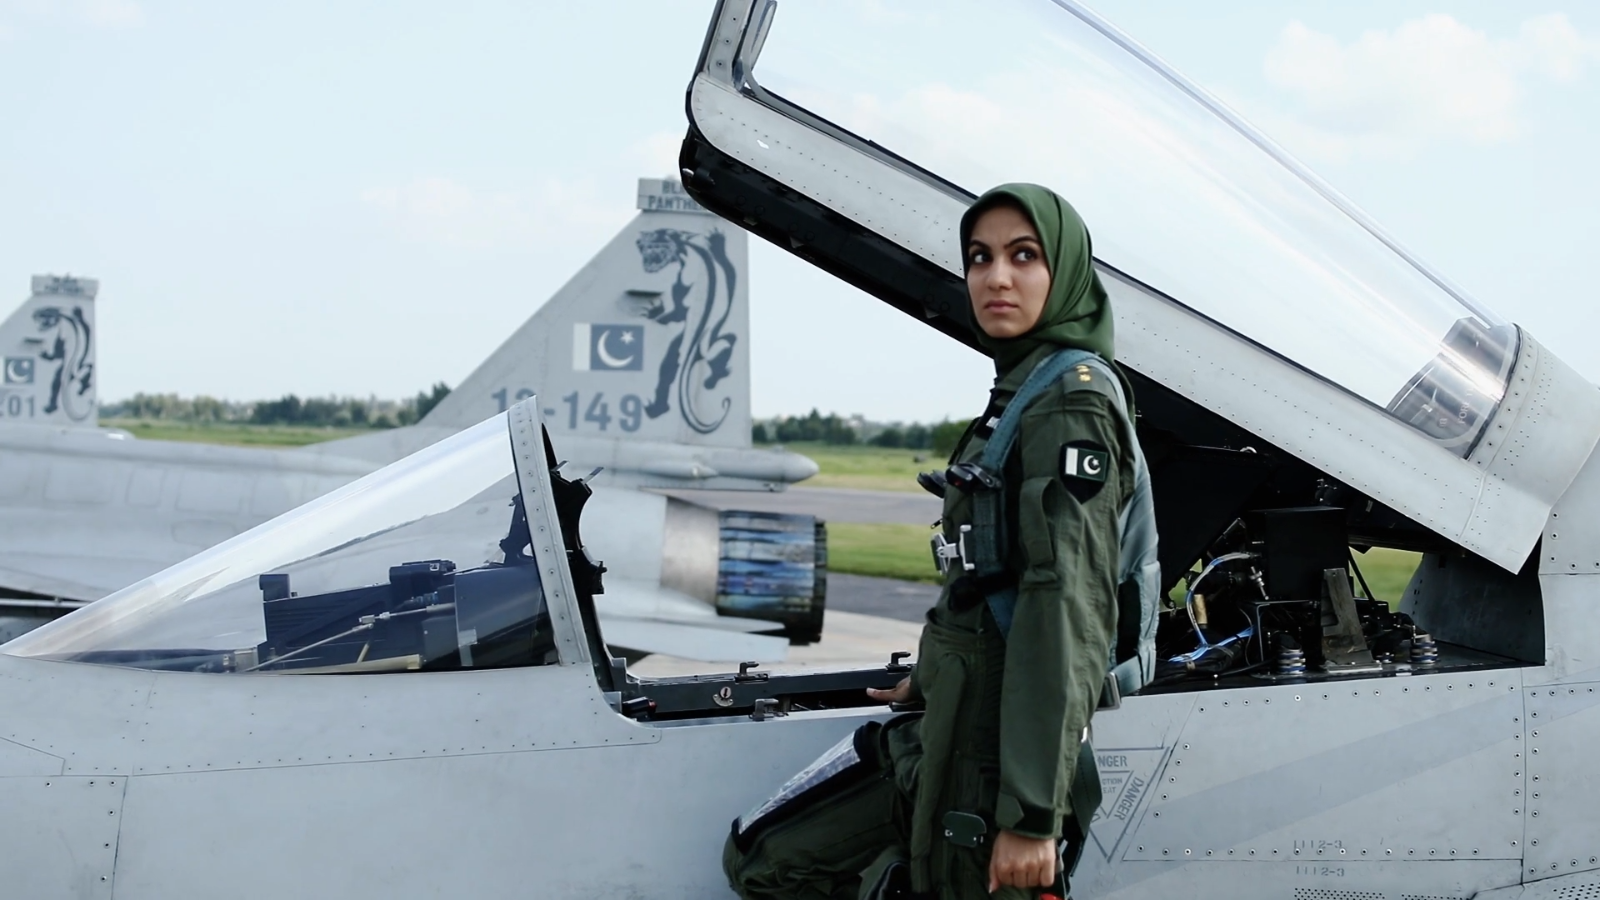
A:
x,y
463,556
425,565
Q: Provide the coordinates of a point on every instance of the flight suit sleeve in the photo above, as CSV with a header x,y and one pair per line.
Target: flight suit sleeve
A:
x,y
1060,640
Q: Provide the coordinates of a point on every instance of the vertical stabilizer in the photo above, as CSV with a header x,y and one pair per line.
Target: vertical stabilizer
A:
x,y
47,347
649,341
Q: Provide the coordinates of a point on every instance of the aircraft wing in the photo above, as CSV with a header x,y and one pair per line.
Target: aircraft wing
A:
x,y
625,599
76,556
42,554
651,619
692,642
52,583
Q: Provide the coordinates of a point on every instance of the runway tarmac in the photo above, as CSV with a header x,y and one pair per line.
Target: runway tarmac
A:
x,y
867,619
827,504
890,598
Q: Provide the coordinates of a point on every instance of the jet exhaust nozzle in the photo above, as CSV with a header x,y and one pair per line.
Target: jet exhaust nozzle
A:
x,y
774,566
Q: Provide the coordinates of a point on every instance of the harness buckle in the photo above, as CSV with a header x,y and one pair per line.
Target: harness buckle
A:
x,y
947,552
971,477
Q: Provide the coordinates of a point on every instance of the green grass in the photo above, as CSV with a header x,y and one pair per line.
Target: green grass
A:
x,y
235,433
884,551
1387,572
901,551
865,468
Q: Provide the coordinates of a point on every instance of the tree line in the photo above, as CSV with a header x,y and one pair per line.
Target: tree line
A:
x,y
371,412
834,429
290,409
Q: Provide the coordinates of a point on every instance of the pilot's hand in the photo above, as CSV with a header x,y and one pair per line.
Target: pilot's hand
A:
x,y
1022,862
900,693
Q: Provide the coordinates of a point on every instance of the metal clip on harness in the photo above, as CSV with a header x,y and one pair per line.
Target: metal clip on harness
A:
x,y
947,552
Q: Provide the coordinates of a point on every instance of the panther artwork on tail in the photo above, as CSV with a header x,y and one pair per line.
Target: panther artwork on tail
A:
x,y
703,291
47,347
73,348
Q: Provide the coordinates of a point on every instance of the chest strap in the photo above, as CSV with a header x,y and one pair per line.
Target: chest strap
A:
x,y
988,506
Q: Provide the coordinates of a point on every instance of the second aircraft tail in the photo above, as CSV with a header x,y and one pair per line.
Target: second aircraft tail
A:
x,y
648,341
47,350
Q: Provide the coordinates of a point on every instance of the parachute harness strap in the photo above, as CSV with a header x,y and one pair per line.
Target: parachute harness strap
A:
x,y
988,507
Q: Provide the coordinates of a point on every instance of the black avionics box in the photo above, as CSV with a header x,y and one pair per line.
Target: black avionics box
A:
x,y
1296,544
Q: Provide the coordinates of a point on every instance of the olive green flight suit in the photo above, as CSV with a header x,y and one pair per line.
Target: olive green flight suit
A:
x,y
1004,720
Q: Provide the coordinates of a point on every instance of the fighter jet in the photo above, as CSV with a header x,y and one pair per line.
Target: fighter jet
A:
x,y
645,355
1305,387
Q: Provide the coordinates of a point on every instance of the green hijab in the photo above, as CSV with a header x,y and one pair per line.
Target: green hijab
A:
x,y
1077,312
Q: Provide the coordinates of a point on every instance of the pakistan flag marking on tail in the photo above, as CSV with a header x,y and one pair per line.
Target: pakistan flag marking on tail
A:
x,y
19,370
607,348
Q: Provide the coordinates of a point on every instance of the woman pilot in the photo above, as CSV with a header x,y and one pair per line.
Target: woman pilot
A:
x,y
975,796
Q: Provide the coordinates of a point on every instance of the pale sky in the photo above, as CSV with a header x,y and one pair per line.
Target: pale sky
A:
x,y
368,198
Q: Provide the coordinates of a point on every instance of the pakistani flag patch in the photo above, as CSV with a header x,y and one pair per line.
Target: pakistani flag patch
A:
x,y
1084,461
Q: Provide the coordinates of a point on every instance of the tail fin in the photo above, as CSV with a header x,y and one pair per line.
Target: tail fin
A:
x,y
649,341
47,347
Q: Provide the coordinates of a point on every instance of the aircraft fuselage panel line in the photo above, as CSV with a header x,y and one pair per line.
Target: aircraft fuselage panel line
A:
x,y
1432,752
70,846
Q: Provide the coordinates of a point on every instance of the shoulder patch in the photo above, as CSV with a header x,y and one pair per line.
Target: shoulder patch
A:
x,y
1085,461
1084,466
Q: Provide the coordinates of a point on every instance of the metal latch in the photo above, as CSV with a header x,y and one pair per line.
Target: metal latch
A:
x,y
768,707
1110,693
946,552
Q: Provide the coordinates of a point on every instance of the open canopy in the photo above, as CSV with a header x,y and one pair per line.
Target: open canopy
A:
x,y
1177,190
856,136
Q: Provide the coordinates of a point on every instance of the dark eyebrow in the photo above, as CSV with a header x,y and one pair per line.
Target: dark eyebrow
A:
x,y
1020,239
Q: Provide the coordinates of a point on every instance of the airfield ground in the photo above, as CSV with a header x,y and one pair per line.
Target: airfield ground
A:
x,y
234,433
878,519
867,468
848,640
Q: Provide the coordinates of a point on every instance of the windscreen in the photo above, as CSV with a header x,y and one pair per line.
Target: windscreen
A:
x,y
422,565
1177,191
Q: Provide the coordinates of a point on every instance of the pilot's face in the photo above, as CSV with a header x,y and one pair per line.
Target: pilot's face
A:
x,y
1007,277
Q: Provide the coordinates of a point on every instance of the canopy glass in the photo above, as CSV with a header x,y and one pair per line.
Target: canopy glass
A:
x,y
1178,191
424,564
